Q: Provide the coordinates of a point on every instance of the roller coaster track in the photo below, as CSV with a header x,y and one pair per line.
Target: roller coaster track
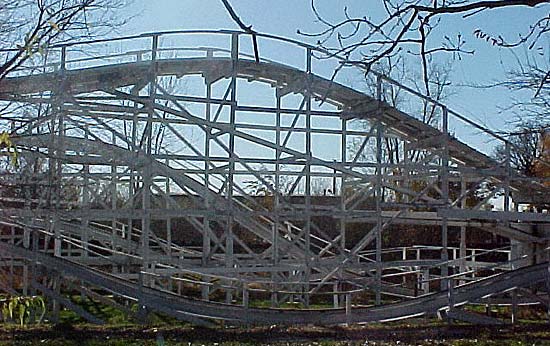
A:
x,y
357,104
101,112
195,310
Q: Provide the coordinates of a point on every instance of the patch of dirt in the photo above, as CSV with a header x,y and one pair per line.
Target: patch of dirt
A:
x,y
409,333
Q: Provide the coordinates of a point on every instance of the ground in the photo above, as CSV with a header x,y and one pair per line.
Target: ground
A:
x,y
418,333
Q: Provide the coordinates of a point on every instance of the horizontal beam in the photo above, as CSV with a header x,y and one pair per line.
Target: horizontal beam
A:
x,y
493,215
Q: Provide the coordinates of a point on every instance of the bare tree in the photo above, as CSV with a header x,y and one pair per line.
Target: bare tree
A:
x,y
408,26
527,76
30,27
525,149
542,164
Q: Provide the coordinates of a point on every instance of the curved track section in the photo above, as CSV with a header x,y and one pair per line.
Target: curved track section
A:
x,y
194,310
207,181
355,104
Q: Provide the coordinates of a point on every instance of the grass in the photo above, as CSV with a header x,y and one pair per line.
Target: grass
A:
x,y
122,330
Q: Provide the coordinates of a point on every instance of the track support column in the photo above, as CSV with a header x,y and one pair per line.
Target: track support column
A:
x,y
229,260
445,198
379,194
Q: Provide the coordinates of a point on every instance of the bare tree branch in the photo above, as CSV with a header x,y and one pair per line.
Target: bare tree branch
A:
x,y
408,24
40,24
247,29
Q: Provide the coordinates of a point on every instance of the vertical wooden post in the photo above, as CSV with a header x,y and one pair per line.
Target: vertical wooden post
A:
x,y
147,170
245,295
343,208
426,283
229,260
206,241
379,195
451,298
462,249
348,308
276,200
307,233
445,198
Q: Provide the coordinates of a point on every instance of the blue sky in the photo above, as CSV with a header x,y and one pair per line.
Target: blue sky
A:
x,y
284,17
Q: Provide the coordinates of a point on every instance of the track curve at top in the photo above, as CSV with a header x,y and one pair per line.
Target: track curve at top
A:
x,y
352,102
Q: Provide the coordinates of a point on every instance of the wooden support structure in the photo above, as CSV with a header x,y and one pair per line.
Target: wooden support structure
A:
x,y
198,172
